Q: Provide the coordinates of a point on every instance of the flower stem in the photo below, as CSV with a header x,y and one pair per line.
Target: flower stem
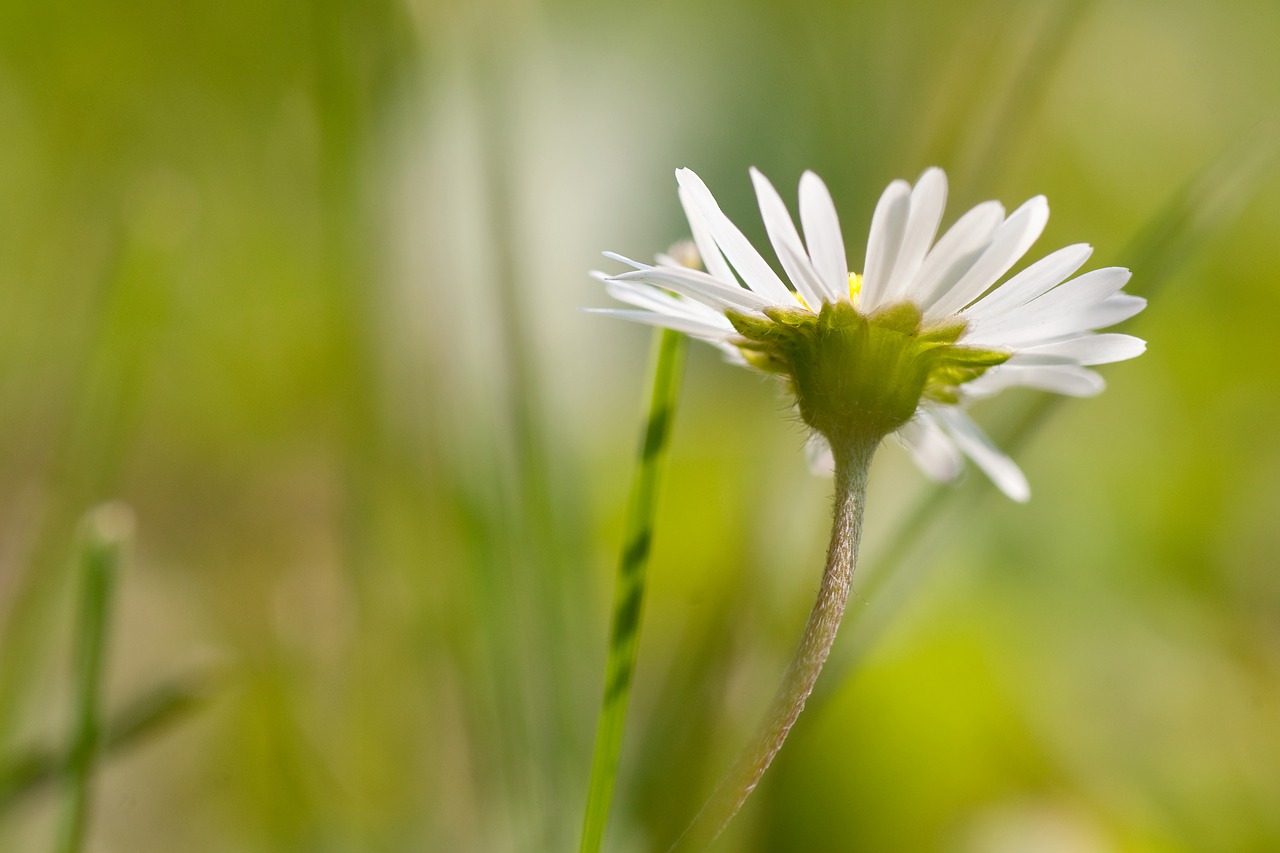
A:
x,y
853,463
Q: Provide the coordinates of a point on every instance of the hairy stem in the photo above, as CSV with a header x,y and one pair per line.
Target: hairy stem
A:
x,y
853,463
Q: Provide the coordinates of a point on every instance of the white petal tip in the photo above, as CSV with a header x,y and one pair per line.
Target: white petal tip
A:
x,y
1013,483
686,176
623,259
810,177
932,174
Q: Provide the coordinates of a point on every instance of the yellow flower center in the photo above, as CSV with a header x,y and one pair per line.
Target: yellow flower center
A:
x,y
855,287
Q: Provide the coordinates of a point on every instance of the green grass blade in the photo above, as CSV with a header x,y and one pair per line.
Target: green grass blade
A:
x,y
105,533
629,593
1010,114
148,714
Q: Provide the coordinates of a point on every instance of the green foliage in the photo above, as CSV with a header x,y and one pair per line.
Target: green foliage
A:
x,y
629,594
299,282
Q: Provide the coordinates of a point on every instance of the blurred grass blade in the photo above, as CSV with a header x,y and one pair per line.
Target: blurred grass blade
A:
x,y
143,717
628,604
1203,208
1008,115
106,531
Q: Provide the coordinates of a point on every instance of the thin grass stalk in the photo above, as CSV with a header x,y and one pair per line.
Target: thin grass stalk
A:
x,y
987,146
85,440
105,533
528,580
628,607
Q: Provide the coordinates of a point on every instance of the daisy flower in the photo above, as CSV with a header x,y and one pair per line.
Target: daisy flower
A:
x,y
901,348
907,344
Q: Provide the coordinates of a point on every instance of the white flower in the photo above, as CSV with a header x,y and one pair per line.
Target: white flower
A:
x,y
951,336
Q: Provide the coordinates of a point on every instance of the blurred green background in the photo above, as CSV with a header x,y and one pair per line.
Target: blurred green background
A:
x,y
299,282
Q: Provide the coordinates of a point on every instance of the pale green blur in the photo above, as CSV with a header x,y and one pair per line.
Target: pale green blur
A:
x,y
300,283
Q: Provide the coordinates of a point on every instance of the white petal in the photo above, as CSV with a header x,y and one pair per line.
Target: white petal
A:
x,y
935,454
955,253
1115,309
655,299
1033,281
1088,349
646,296
823,237
1009,243
928,199
888,224
1069,298
1072,324
623,259
1086,289
698,285
1002,470
756,274
687,325
817,452
1060,379
786,242
712,260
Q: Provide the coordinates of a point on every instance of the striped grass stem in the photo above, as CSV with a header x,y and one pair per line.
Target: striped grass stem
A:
x,y
628,602
106,530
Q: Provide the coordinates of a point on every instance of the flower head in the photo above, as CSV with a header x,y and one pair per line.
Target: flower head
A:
x,y
906,345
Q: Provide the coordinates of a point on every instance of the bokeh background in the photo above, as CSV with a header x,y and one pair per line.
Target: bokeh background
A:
x,y
300,283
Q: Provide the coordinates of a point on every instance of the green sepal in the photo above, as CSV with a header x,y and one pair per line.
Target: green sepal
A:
x,y
943,394
764,358
861,376
750,327
976,357
943,333
901,317
796,318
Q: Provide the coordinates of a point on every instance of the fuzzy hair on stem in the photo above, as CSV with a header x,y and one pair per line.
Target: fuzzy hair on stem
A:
x,y
853,465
